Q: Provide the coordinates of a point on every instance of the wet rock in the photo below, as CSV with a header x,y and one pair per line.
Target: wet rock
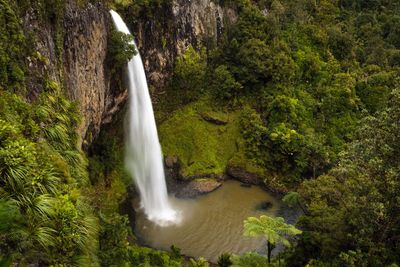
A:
x,y
173,168
265,205
198,187
241,174
172,29
221,177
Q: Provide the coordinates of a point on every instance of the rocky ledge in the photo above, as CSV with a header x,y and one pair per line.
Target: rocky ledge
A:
x,y
241,174
198,187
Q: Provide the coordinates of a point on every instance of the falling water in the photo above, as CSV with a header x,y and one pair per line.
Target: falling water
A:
x,y
143,158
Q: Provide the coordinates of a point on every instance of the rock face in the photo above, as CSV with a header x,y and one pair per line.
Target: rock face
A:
x,y
76,54
244,176
86,75
198,187
184,23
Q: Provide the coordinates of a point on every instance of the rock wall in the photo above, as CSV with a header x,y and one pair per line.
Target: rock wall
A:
x,y
79,63
86,75
186,22
82,67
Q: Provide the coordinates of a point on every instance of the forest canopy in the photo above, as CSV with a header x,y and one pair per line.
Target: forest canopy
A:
x,y
313,87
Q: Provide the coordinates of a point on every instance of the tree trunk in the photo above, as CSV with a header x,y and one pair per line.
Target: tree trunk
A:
x,y
270,247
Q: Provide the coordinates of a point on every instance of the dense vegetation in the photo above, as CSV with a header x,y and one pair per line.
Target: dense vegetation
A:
x,y
315,86
307,85
57,206
308,93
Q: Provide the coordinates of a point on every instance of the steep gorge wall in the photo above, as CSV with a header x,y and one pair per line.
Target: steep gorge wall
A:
x,y
76,57
80,61
86,74
186,22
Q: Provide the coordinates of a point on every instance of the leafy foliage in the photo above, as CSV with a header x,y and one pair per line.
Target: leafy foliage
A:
x,y
250,259
352,214
225,260
275,230
121,49
189,74
39,172
12,47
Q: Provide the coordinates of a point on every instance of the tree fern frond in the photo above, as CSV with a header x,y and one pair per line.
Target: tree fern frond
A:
x,y
274,229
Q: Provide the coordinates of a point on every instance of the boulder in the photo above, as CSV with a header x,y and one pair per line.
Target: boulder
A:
x,y
243,175
198,187
264,205
171,161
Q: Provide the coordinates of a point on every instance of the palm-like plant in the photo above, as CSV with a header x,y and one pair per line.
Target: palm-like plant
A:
x,y
275,230
37,225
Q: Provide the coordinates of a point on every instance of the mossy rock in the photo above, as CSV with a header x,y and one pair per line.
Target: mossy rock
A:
x,y
202,147
199,187
245,170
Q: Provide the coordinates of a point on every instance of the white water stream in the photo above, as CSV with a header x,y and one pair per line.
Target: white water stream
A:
x,y
143,157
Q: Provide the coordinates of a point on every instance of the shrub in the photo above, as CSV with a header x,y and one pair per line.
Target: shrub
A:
x,y
121,49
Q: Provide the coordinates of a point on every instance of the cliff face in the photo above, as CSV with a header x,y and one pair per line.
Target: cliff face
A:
x,y
79,62
184,23
84,66
76,58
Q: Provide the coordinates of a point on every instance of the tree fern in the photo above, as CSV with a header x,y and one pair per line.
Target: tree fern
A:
x,y
274,230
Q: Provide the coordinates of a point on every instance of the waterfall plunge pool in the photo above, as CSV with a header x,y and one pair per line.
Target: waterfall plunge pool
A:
x,y
213,223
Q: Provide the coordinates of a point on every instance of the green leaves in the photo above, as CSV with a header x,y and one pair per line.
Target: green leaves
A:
x,y
121,49
292,199
12,47
352,211
223,85
37,166
189,74
274,230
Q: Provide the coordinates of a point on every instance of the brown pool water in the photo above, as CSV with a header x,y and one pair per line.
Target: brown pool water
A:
x,y
211,224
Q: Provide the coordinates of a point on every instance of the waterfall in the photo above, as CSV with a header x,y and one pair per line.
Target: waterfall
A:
x,y
143,157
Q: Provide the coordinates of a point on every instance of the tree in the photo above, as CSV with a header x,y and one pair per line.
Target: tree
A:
x,y
274,230
293,199
353,210
224,260
189,73
223,85
121,49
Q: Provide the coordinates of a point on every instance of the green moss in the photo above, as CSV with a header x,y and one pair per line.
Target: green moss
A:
x,y
202,147
240,160
107,196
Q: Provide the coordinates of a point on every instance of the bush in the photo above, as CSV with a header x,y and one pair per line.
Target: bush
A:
x,y
189,74
121,49
223,85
